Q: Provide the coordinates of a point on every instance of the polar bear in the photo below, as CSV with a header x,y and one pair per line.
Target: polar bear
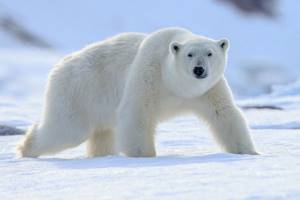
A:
x,y
113,94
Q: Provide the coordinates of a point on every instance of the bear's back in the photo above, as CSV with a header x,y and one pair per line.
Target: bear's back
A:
x,y
115,51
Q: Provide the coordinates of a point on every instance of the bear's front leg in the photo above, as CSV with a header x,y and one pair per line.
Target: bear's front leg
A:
x,y
135,129
225,120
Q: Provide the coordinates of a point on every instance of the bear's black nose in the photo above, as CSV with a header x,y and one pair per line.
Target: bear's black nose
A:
x,y
199,72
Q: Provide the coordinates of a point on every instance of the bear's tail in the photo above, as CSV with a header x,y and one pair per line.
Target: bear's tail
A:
x,y
26,147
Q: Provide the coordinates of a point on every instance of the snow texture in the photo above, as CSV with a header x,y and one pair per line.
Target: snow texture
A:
x,y
188,166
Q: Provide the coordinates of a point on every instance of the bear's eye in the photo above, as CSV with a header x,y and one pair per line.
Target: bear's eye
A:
x,y
209,54
190,55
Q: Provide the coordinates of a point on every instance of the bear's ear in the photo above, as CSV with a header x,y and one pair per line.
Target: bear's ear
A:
x,y
175,47
223,44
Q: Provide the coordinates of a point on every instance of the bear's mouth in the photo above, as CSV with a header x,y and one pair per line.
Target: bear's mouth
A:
x,y
202,76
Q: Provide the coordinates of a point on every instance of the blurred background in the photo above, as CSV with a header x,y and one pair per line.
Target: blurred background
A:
x,y
264,35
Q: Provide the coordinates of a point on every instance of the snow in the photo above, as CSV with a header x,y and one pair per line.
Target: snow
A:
x,y
23,74
189,164
288,125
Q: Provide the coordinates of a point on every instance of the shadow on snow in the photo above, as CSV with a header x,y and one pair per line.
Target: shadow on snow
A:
x,y
125,162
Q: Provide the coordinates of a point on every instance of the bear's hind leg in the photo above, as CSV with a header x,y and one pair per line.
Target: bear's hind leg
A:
x,y
50,139
101,143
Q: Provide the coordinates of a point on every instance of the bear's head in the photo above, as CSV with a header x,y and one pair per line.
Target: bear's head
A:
x,y
194,66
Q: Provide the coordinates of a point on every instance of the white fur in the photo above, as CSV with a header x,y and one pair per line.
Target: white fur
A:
x,y
115,92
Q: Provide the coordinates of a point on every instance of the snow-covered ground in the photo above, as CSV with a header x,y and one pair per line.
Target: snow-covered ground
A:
x,y
189,166
23,74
